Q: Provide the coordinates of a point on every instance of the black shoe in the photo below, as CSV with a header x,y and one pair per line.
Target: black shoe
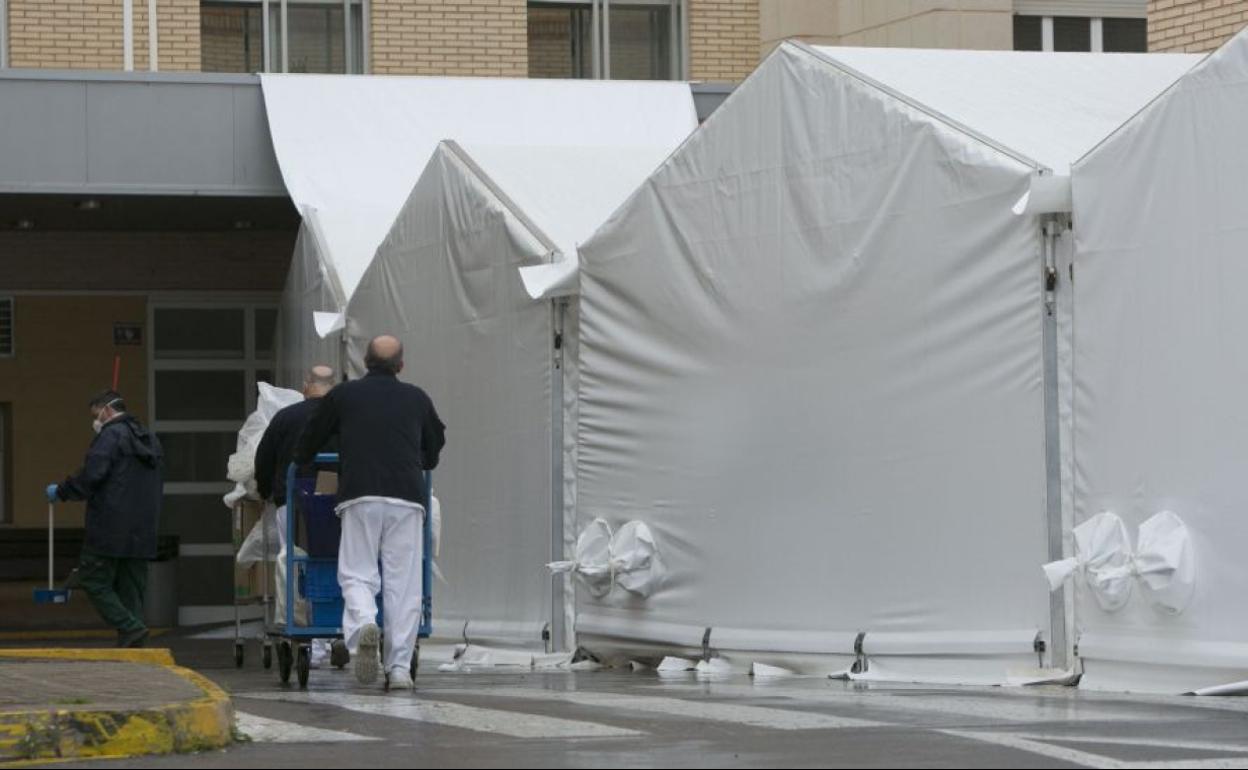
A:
x,y
130,639
339,656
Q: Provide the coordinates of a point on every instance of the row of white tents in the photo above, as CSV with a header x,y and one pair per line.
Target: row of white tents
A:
x,y
886,334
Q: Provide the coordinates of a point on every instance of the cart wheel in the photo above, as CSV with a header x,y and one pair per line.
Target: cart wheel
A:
x,y
304,665
238,655
284,661
266,656
415,660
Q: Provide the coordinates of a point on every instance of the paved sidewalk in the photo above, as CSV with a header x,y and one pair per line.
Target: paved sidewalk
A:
x,y
57,704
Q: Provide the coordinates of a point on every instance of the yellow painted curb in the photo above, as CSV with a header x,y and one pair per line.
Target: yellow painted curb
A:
x,y
200,724
150,656
68,634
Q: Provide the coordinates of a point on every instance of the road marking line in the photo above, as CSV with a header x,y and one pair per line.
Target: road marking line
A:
x,y
1225,748
751,716
1088,759
264,730
998,708
415,708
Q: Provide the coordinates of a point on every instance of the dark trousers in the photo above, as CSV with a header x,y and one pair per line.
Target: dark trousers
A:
x,y
115,587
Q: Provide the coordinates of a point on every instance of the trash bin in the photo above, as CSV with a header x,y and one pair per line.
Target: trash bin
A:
x,y
160,600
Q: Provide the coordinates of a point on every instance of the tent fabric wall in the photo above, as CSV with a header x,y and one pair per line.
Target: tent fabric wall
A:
x,y
446,282
1161,214
311,286
811,362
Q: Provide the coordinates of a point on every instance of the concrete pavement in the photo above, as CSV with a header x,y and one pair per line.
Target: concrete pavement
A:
x,y
59,703
526,719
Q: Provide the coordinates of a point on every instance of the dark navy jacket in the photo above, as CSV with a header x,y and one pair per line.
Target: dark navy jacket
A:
x,y
387,430
277,449
121,480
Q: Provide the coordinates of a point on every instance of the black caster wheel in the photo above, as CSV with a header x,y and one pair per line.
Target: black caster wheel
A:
x,y
285,660
266,656
415,660
304,665
238,655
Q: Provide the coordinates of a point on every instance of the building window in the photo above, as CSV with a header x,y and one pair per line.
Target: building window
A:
x,y
6,327
1080,33
206,360
1027,34
636,40
1072,33
325,36
1124,35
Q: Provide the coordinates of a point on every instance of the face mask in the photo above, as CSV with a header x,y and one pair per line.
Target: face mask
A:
x,y
97,424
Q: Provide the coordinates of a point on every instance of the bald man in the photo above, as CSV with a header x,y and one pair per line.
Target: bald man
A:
x,y
388,432
273,457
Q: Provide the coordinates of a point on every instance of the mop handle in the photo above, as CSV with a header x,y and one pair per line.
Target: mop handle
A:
x,y
49,546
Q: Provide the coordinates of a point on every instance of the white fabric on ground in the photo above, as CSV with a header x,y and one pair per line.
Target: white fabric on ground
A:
x,y
390,533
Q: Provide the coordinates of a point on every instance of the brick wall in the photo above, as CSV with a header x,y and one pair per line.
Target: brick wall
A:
x,y
87,34
723,39
450,37
1194,25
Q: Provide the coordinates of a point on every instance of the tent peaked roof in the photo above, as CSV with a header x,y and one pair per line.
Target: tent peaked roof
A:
x,y
352,147
1051,108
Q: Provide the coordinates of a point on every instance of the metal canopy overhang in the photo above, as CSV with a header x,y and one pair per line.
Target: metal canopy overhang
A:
x,y
105,133
151,133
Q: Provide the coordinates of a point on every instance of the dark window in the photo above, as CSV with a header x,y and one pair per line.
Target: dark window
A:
x,y
1028,35
1124,35
316,35
1072,33
199,333
641,43
560,41
266,331
6,327
639,36
231,37
197,456
201,395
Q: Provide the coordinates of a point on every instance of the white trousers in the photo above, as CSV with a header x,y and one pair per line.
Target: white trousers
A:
x,y
390,533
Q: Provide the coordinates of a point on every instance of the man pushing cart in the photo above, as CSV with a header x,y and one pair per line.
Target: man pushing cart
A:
x,y
389,435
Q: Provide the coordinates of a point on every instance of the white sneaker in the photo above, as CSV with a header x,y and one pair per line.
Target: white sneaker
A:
x,y
368,659
399,679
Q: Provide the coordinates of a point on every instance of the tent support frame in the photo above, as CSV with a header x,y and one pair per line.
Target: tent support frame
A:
x,y
1059,647
559,624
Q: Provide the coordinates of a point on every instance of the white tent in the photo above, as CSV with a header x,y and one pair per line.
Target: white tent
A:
x,y
819,360
350,149
1161,211
496,363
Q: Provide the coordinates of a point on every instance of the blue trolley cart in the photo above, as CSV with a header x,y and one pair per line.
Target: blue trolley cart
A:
x,y
312,518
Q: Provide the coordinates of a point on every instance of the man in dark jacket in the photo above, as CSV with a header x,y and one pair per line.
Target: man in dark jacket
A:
x,y
277,445
273,457
388,432
121,482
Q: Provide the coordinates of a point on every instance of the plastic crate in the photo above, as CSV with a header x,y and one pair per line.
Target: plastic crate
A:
x,y
326,613
319,580
321,524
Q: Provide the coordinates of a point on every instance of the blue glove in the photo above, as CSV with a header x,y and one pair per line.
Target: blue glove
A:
x,y
51,492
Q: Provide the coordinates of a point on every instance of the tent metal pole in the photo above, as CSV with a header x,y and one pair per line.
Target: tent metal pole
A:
x,y
1059,644
558,615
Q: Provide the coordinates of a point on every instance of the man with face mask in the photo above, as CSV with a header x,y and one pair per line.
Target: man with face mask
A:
x,y
121,481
